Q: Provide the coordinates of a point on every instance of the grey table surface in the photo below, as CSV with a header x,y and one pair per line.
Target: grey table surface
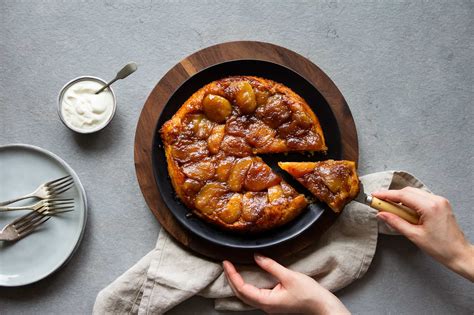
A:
x,y
406,70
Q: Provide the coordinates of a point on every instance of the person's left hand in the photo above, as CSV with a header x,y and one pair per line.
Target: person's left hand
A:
x,y
295,292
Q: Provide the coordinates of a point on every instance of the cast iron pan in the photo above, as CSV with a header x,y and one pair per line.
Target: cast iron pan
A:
x,y
279,74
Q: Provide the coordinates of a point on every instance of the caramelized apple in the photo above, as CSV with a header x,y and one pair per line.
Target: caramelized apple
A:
x,y
202,170
209,197
245,97
215,139
232,209
200,125
237,126
275,193
300,116
235,146
260,177
190,152
334,178
275,112
274,145
238,173
296,137
191,186
302,139
259,134
288,190
253,204
261,96
216,108
333,183
224,167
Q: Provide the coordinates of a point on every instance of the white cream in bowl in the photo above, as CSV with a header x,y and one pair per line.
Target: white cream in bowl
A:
x,y
84,111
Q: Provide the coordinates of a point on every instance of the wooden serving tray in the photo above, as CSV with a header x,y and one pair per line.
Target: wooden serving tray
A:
x,y
181,72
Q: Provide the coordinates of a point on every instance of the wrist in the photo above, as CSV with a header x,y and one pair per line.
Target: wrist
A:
x,y
463,261
331,306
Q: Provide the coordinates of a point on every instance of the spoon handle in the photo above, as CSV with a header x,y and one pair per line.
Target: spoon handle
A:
x,y
107,85
122,74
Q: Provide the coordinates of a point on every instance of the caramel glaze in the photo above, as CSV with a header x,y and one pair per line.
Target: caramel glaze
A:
x,y
211,145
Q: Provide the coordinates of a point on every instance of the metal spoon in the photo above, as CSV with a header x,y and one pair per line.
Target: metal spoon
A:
x,y
122,74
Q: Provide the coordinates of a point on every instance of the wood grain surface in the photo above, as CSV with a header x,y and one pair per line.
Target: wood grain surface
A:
x,y
173,79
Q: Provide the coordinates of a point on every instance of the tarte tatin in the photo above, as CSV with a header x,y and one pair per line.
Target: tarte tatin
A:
x,y
212,143
334,182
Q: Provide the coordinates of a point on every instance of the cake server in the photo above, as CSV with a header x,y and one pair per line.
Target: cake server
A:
x,y
382,205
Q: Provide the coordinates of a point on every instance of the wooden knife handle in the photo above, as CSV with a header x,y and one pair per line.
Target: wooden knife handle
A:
x,y
397,209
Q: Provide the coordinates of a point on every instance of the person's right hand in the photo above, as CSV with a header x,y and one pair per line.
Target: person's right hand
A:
x,y
437,233
294,293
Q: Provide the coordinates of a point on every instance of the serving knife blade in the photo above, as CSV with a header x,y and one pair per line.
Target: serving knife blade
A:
x,y
382,205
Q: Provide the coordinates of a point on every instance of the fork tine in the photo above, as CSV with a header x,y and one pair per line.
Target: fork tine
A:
x,y
51,213
65,181
61,204
26,225
28,216
33,227
59,200
62,183
62,189
52,209
56,180
52,189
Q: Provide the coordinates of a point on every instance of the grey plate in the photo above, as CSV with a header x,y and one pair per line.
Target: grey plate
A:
x,y
22,169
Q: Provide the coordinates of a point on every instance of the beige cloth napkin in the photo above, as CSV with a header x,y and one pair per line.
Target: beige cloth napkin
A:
x,y
170,274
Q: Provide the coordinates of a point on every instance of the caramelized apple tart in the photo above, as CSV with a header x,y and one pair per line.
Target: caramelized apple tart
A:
x,y
211,146
334,182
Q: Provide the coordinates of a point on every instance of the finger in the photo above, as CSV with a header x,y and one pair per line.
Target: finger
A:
x,y
398,224
246,292
409,198
229,271
419,191
235,279
272,267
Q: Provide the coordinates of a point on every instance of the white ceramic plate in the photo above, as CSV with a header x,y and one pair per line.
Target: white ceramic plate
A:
x,y
22,169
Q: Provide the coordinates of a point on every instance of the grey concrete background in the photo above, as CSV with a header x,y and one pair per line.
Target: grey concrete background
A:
x,y
406,70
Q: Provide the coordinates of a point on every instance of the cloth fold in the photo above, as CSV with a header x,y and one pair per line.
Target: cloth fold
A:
x,y
170,274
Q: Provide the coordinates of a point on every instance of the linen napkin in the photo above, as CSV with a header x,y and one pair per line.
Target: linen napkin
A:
x,y
170,274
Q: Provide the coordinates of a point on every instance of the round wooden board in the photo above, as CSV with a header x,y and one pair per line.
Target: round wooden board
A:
x,y
181,72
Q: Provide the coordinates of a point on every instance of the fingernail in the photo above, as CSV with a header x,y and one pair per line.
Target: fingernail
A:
x,y
259,257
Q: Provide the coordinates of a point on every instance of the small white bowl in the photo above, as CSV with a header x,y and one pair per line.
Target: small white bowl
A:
x,y
60,100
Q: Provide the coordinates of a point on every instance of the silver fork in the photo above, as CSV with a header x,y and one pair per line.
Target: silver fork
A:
x,y
46,190
23,226
26,224
54,203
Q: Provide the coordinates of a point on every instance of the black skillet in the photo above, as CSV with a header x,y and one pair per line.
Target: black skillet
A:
x,y
279,74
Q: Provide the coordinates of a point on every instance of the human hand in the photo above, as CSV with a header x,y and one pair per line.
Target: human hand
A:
x,y
437,233
295,292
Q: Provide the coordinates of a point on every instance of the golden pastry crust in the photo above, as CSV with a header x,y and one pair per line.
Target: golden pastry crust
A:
x,y
211,143
334,182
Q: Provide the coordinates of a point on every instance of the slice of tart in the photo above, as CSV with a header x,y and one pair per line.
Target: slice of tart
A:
x,y
333,182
